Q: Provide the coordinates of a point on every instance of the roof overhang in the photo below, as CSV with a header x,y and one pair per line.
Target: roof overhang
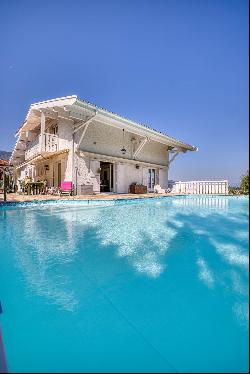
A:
x,y
77,111
109,118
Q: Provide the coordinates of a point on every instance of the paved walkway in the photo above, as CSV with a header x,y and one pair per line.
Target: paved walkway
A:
x,y
101,196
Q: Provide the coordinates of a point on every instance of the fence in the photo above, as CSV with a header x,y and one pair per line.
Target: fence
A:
x,y
201,187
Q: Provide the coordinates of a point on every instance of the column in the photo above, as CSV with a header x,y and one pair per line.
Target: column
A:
x,y
41,141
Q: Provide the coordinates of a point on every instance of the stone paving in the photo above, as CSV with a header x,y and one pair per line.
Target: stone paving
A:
x,y
101,196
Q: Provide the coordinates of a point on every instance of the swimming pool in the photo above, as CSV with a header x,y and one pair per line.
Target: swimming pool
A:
x,y
152,285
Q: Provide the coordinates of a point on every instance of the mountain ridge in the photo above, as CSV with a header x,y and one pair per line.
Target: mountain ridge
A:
x,y
5,155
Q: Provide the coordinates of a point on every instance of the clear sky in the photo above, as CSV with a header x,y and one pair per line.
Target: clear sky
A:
x,y
180,66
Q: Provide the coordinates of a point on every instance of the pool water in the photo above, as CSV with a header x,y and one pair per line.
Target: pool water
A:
x,y
159,285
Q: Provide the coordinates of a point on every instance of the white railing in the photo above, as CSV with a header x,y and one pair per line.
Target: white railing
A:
x,y
49,144
32,148
201,187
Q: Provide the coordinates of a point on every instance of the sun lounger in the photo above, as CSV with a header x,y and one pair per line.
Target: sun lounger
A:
x,y
158,189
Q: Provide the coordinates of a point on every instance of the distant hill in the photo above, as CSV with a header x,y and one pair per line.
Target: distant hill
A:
x,y
4,155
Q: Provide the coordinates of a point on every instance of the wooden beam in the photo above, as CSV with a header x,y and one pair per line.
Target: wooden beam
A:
x,y
82,124
49,113
174,156
77,116
86,125
66,112
139,148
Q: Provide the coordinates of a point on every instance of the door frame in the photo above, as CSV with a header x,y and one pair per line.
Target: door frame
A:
x,y
111,175
151,179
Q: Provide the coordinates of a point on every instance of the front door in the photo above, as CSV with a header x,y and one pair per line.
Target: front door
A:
x,y
107,177
151,179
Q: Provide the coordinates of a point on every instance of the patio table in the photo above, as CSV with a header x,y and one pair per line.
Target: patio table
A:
x,y
34,188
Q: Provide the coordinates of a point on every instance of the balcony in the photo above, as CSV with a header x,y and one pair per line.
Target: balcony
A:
x,y
49,143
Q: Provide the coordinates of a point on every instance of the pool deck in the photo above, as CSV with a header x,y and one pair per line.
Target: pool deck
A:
x,y
12,197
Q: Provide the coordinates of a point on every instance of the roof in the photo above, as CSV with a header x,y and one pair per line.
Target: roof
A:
x,y
192,148
75,108
4,163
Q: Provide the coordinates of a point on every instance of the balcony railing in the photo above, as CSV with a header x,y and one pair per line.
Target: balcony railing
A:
x,y
32,148
201,187
49,144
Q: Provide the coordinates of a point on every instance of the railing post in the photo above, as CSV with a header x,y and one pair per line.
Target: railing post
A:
x,y
226,187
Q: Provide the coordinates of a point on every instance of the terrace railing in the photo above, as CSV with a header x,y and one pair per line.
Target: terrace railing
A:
x,y
49,143
32,148
201,187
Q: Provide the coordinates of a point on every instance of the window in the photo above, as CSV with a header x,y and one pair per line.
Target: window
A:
x,y
55,130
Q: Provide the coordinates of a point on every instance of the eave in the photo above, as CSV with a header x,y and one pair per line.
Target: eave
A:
x,y
77,111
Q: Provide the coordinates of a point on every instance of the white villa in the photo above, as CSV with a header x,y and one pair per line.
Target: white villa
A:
x,y
68,139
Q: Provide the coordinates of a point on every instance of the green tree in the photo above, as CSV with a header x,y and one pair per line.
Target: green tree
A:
x,y
245,183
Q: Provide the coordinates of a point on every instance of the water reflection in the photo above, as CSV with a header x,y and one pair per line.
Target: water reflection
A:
x,y
52,241
42,255
205,273
203,202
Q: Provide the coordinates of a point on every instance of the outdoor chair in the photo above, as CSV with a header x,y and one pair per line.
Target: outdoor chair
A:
x,y
66,188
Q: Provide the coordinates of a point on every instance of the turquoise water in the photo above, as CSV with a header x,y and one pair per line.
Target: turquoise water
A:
x,y
153,286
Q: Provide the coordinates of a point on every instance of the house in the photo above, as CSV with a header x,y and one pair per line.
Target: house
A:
x,y
68,139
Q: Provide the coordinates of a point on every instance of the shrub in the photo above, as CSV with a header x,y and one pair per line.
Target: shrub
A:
x,y
244,185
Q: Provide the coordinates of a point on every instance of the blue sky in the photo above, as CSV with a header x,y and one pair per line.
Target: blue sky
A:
x,y
180,66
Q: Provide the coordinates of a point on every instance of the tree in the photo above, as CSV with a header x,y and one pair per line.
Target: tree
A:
x,y
245,183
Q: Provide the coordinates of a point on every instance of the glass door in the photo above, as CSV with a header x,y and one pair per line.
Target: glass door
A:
x,y
151,179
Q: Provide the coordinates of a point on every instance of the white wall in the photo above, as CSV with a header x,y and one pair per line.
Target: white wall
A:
x,y
65,134
154,152
163,178
86,172
128,174
108,140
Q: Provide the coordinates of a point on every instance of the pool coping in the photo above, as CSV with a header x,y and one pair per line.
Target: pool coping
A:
x,y
80,202
104,202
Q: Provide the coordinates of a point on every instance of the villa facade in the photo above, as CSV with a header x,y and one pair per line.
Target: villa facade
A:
x,y
68,139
